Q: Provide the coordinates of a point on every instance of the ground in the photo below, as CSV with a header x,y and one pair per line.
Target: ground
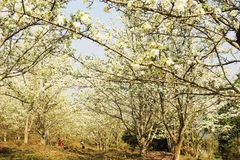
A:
x,y
19,151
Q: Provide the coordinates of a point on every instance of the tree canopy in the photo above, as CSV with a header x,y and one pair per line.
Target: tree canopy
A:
x,y
165,68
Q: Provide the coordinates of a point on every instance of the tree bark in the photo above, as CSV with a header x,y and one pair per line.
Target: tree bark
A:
x,y
97,145
25,136
143,146
5,136
117,141
27,129
143,150
43,140
177,150
170,145
100,146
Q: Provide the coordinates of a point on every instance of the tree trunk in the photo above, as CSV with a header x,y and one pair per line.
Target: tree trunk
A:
x,y
143,146
170,145
177,150
43,140
43,137
117,141
197,151
27,129
5,136
26,136
97,145
143,150
100,146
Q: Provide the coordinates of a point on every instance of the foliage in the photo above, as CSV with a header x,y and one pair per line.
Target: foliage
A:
x,y
229,139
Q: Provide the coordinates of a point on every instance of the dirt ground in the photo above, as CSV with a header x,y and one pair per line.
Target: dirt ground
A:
x,y
158,156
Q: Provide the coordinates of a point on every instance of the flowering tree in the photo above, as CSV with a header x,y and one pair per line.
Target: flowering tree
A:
x,y
186,46
12,116
166,40
190,43
127,93
49,85
99,129
113,92
41,94
26,40
204,22
195,22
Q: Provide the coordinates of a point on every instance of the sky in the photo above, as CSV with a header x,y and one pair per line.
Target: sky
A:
x,y
85,46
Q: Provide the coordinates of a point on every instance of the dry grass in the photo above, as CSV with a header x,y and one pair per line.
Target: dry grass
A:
x,y
16,151
33,151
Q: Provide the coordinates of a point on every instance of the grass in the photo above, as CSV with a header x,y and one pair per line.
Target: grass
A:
x,y
16,151
34,151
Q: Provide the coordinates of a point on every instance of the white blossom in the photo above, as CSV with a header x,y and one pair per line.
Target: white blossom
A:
x,y
154,52
189,62
147,26
177,67
77,25
142,72
130,4
169,62
180,5
166,4
233,13
108,36
60,19
15,17
85,18
218,12
98,36
236,24
135,66
200,10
